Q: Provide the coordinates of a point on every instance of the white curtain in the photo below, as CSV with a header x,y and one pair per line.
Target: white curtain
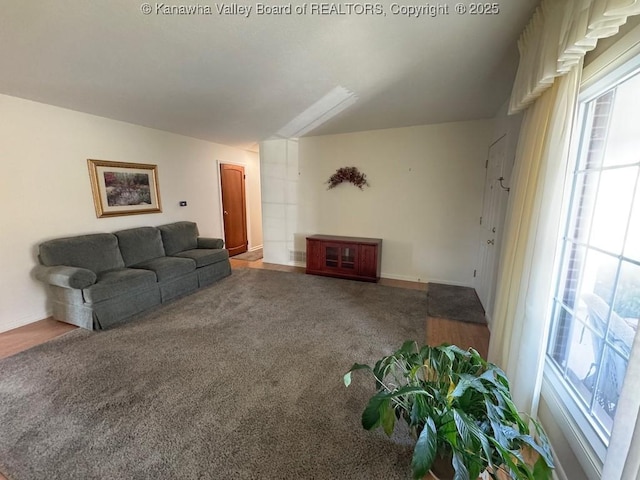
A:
x,y
556,39
546,88
518,333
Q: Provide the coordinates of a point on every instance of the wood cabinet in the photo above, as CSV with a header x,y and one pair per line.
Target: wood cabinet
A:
x,y
345,257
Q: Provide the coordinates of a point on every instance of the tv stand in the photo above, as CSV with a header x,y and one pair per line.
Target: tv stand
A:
x,y
353,258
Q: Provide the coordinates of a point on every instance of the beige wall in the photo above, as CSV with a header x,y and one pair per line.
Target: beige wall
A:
x,y
254,200
424,200
45,190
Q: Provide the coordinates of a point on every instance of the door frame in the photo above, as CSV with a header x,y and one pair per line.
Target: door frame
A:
x,y
250,247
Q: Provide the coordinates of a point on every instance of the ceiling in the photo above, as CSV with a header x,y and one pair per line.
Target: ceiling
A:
x,y
238,80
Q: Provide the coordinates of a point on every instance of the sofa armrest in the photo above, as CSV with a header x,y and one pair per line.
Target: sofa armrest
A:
x,y
215,243
67,277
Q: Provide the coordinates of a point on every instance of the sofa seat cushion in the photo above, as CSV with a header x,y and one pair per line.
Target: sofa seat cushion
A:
x,y
118,282
167,268
205,256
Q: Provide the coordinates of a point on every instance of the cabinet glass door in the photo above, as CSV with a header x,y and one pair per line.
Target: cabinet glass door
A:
x,y
341,257
332,254
348,258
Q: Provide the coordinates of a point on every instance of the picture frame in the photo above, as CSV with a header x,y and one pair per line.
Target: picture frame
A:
x,y
121,188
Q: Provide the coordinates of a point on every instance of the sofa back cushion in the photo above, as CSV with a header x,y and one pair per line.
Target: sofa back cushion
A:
x,y
178,237
139,244
96,252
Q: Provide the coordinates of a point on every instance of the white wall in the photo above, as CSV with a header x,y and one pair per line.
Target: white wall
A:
x,y
45,190
254,200
424,200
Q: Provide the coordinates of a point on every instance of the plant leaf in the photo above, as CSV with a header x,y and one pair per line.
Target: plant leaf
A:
x,y
406,390
542,470
463,429
458,351
448,429
468,381
543,441
476,466
419,411
515,469
462,473
425,450
388,417
380,370
371,414
356,366
414,371
447,351
515,416
544,453
490,375
410,346
471,435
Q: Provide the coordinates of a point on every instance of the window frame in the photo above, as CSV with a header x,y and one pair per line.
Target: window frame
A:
x,y
577,426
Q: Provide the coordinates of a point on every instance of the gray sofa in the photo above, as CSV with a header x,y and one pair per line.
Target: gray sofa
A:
x,y
99,280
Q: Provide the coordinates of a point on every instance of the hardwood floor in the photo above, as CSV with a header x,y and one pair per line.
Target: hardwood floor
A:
x,y
438,330
22,338
264,266
462,334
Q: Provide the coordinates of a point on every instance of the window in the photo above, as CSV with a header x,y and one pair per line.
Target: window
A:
x,y
596,304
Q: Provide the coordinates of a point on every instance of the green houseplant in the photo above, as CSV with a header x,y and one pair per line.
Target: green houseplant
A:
x,y
459,408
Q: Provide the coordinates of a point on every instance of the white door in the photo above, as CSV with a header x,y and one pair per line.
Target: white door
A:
x,y
494,207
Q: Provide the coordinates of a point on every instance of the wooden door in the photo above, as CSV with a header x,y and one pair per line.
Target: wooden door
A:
x,y
234,210
493,211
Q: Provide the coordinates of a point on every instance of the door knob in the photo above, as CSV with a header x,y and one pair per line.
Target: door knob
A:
x,y
490,242
226,213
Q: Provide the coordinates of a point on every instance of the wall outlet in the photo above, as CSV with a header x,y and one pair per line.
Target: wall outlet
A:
x,y
183,203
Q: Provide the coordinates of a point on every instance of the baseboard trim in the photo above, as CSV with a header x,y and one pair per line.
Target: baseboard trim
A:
x,y
404,278
408,278
21,322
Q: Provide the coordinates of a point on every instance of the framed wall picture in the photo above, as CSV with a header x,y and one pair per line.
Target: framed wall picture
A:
x,y
121,188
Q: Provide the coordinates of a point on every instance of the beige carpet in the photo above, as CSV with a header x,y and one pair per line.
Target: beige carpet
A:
x,y
241,380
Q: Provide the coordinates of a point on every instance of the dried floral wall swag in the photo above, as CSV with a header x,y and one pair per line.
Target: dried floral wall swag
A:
x,y
347,174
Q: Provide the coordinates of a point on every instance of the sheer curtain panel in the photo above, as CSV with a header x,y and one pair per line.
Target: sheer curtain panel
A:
x,y
518,334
